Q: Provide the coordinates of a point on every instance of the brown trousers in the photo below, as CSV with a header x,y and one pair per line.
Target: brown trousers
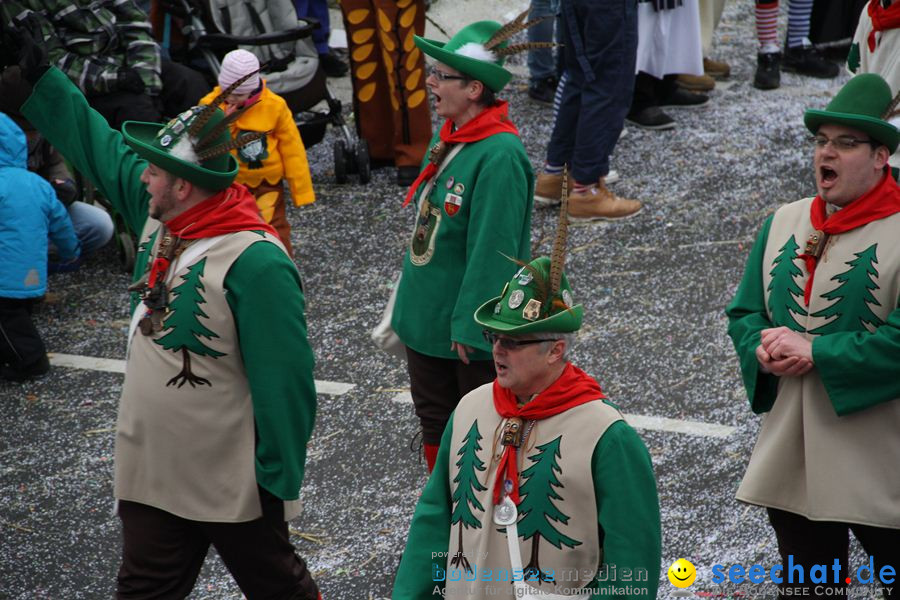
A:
x,y
388,74
270,201
438,384
162,554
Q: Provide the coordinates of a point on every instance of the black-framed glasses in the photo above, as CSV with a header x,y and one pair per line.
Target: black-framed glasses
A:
x,y
442,76
841,142
509,343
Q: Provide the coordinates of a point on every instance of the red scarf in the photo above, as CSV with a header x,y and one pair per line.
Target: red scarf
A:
x,y
882,18
232,209
573,388
881,201
493,119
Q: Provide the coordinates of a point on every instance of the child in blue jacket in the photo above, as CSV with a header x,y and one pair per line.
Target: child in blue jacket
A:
x,y
29,213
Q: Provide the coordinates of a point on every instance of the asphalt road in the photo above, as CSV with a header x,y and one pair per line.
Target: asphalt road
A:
x,y
654,289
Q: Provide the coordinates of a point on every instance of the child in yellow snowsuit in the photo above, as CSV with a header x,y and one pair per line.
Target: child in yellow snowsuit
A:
x,y
279,155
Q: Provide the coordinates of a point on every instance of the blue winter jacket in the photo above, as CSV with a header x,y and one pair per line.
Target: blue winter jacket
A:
x,y
29,212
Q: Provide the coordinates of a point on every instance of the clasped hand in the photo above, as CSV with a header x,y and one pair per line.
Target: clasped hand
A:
x,y
784,352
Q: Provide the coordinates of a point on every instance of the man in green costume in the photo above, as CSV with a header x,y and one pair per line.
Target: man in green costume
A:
x,y
816,325
473,207
541,489
218,401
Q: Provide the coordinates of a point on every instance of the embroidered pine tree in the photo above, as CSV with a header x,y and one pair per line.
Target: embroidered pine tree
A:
x,y
464,495
853,296
184,327
537,508
783,289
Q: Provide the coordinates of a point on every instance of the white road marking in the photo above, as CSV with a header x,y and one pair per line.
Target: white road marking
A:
x,y
712,430
112,365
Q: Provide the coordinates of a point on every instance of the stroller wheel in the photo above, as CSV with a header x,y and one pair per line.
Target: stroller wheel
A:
x,y
126,251
340,161
362,161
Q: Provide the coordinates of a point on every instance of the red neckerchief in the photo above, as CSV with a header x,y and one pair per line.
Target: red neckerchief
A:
x,y
232,209
573,388
882,18
881,201
493,119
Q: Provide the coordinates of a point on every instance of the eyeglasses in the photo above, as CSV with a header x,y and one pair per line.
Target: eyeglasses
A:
x,y
442,76
510,344
841,142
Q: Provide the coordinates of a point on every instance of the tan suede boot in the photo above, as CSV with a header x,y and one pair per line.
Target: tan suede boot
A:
x,y
716,69
598,203
696,83
548,189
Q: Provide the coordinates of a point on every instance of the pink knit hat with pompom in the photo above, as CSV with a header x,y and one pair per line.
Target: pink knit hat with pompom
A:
x,y
235,65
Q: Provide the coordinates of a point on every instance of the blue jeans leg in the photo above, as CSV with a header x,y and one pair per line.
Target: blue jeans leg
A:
x,y
540,62
602,36
93,226
317,9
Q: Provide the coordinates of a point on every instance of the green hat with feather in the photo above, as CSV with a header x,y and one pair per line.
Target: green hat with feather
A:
x,y
196,145
480,49
538,298
863,103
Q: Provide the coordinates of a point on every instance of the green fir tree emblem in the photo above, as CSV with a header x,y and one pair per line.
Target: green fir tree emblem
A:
x,y
783,289
853,296
142,259
464,495
184,327
853,58
537,508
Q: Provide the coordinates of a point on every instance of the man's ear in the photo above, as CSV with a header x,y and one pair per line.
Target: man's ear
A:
x,y
882,156
182,188
557,351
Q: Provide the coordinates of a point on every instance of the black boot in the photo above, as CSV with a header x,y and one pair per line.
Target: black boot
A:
x,y
21,374
768,71
806,60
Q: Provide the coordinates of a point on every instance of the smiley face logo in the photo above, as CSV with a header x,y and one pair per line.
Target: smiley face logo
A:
x,y
682,573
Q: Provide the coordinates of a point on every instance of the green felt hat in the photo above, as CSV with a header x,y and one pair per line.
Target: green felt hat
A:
x,y
172,148
196,145
466,52
527,304
863,103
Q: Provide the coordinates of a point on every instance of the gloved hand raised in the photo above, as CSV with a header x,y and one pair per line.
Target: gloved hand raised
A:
x,y
30,55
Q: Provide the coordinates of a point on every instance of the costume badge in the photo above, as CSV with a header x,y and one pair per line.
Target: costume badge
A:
x,y
567,298
165,140
505,513
516,298
459,188
497,308
525,278
449,183
452,202
532,310
178,127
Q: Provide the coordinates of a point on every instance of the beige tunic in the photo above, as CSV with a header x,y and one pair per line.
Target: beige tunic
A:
x,y
808,460
573,434
185,440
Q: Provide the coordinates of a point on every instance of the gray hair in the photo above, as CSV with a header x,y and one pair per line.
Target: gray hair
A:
x,y
567,337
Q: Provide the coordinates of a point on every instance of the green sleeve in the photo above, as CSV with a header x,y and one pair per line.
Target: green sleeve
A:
x,y
860,368
628,511
60,112
264,293
429,533
499,224
747,317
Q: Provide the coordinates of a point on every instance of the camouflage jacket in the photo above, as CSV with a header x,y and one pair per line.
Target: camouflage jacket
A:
x,y
92,42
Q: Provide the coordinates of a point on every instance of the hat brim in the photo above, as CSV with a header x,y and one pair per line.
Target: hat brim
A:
x,y
140,137
879,130
566,321
493,76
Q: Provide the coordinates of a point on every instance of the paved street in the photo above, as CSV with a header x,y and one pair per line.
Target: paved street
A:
x,y
654,289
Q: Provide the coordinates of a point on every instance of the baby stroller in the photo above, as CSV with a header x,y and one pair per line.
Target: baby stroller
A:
x,y
269,29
